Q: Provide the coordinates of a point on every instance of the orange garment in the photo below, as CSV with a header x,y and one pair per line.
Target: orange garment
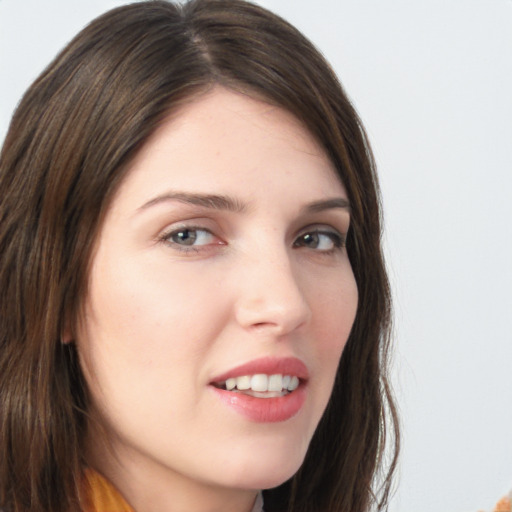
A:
x,y
504,505
102,495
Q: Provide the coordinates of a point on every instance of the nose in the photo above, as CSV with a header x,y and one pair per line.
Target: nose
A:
x,y
270,296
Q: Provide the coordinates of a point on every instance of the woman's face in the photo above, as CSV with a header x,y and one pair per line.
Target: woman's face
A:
x,y
220,266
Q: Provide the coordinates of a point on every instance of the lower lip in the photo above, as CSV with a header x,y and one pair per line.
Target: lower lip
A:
x,y
264,410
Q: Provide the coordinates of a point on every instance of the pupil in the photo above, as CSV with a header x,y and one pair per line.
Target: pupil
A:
x,y
185,237
311,239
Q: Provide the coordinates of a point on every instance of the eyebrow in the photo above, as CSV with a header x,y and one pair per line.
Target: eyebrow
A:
x,y
328,204
230,204
211,201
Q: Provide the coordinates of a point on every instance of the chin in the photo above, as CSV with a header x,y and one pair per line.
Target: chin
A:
x,y
265,471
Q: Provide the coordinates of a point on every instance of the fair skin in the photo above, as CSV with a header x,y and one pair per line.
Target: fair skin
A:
x,y
185,287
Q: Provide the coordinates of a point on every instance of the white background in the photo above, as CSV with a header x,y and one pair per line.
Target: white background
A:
x,y
432,80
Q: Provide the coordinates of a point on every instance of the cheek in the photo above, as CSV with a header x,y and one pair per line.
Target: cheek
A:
x,y
146,307
335,306
334,314
147,330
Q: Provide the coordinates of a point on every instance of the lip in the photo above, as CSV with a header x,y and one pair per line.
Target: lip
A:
x,y
269,366
265,410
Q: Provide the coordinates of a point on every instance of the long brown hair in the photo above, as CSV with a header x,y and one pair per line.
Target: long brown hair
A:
x,y
69,144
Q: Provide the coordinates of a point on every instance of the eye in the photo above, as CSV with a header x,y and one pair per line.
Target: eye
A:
x,y
190,237
320,240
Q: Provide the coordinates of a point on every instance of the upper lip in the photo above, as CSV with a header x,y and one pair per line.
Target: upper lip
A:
x,y
269,366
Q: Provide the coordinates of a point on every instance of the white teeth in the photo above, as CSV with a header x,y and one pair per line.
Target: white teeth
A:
x,y
275,383
243,383
230,384
262,383
294,384
259,382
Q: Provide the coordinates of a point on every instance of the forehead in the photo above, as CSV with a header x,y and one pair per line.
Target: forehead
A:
x,y
228,139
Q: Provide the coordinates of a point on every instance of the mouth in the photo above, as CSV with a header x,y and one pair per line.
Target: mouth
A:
x,y
266,390
261,385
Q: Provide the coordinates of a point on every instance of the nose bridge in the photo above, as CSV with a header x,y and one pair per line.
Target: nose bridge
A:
x,y
271,294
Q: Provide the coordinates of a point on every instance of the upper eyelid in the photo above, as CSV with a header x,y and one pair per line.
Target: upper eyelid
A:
x,y
176,229
203,224
330,217
322,228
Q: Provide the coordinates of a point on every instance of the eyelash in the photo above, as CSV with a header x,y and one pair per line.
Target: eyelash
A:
x,y
166,238
338,240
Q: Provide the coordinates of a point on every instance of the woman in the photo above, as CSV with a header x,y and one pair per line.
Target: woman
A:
x,y
190,247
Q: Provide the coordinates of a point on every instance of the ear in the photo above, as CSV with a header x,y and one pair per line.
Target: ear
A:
x,y
66,335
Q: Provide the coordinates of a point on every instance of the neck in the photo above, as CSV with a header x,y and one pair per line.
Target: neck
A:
x,y
150,487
